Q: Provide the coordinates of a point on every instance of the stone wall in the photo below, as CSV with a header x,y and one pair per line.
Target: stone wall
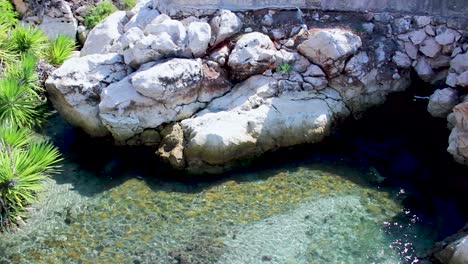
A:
x,y
451,8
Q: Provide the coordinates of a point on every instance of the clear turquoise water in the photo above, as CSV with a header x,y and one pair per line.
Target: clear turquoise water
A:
x,y
313,213
378,193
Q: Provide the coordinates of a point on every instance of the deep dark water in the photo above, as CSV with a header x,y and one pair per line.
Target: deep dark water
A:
x,y
399,140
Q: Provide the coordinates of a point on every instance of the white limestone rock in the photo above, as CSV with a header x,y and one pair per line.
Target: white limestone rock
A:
x,y
223,26
101,37
75,88
442,102
329,48
253,54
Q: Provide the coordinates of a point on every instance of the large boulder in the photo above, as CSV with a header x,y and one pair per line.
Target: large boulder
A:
x,y
458,140
224,25
329,48
177,80
199,35
253,54
252,119
164,37
363,84
142,14
75,88
53,27
442,102
102,37
458,72
159,94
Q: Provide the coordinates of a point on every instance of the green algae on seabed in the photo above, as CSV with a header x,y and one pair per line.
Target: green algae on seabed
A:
x,y
331,213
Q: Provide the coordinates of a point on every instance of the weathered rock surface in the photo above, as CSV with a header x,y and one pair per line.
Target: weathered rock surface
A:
x,y
171,148
165,81
53,27
75,88
251,119
458,72
458,140
253,54
101,38
442,102
330,48
225,25
453,249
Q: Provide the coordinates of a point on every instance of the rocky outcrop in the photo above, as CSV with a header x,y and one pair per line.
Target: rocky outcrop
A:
x,y
442,102
330,48
453,250
101,38
75,88
253,54
258,115
458,140
173,79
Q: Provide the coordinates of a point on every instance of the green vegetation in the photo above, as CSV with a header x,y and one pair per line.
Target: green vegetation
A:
x,y
98,13
24,163
8,16
128,4
60,49
28,40
25,159
284,67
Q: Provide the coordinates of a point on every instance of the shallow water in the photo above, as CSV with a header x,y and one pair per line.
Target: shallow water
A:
x,y
367,195
313,213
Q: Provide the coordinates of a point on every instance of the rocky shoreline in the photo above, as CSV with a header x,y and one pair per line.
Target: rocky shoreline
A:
x,y
213,89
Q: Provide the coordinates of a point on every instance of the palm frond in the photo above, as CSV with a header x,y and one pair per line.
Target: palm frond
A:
x,y
19,104
60,49
28,40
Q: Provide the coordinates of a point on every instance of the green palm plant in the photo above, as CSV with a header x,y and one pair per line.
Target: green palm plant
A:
x,y
28,40
24,72
60,49
6,56
19,104
8,15
25,161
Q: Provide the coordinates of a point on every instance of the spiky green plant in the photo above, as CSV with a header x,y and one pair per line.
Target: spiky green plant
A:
x,y
20,104
25,162
28,40
24,71
6,55
98,13
8,15
60,49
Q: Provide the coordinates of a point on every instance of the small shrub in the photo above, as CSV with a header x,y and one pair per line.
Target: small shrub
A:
x,y
128,4
28,40
285,67
98,13
60,49
8,15
25,162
